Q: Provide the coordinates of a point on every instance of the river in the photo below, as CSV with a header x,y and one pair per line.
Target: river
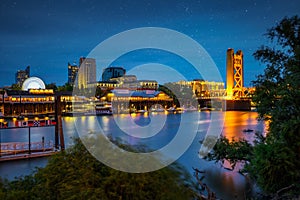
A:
x,y
226,184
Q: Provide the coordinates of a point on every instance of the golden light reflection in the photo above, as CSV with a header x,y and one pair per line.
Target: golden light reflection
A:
x,y
92,119
237,121
105,120
266,127
133,115
124,115
69,119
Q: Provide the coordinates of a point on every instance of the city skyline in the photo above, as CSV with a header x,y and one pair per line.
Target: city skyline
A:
x,y
49,35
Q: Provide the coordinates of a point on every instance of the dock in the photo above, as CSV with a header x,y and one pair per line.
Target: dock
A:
x,y
24,150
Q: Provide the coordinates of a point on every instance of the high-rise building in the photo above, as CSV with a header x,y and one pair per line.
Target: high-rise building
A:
x,y
112,72
72,73
22,75
86,72
234,73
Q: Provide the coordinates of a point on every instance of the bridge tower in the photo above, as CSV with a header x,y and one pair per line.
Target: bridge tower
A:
x,y
234,73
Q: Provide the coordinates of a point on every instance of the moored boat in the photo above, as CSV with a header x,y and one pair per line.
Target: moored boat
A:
x,y
104,108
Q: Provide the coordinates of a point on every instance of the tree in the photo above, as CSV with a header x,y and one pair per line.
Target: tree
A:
x,y
51,86
65,87
16,87
76,174
277,96
274,160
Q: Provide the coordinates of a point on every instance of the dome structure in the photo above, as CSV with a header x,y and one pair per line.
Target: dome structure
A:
x,y
33,83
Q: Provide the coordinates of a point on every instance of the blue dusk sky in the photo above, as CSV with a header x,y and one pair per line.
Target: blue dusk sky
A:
x,y
48,34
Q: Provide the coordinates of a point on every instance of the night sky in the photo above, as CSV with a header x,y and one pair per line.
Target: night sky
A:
x,y
48,34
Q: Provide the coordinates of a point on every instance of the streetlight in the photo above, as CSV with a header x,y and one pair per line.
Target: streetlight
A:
x,y
1,122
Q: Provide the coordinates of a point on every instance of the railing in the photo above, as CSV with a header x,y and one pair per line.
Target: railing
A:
x,y
15,148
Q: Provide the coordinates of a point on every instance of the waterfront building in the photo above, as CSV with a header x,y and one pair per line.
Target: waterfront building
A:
x,y
126,82
72,73
126,101
112,72
36,102
22,75
204,89
22,103
147,85
129,82
104,85
86,72
132,83
140,93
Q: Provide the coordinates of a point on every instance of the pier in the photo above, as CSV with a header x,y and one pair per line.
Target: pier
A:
x,y
25,150
16,150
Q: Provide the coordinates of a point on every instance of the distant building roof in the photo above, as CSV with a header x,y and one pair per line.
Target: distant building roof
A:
x,y
33,83
128,93
17,93
115,67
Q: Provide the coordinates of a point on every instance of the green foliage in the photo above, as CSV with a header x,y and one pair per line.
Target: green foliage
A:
x,y
233,151
51,86
2,189
278,100
16,87
75,174
65,87
274,160
273,166
277,90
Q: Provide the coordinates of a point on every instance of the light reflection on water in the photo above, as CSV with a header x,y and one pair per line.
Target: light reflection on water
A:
x,y
236,122
226,184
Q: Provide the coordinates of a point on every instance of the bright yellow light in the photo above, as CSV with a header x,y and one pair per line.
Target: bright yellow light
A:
x,y
41,91
46,118
14,119
36,118
26,118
